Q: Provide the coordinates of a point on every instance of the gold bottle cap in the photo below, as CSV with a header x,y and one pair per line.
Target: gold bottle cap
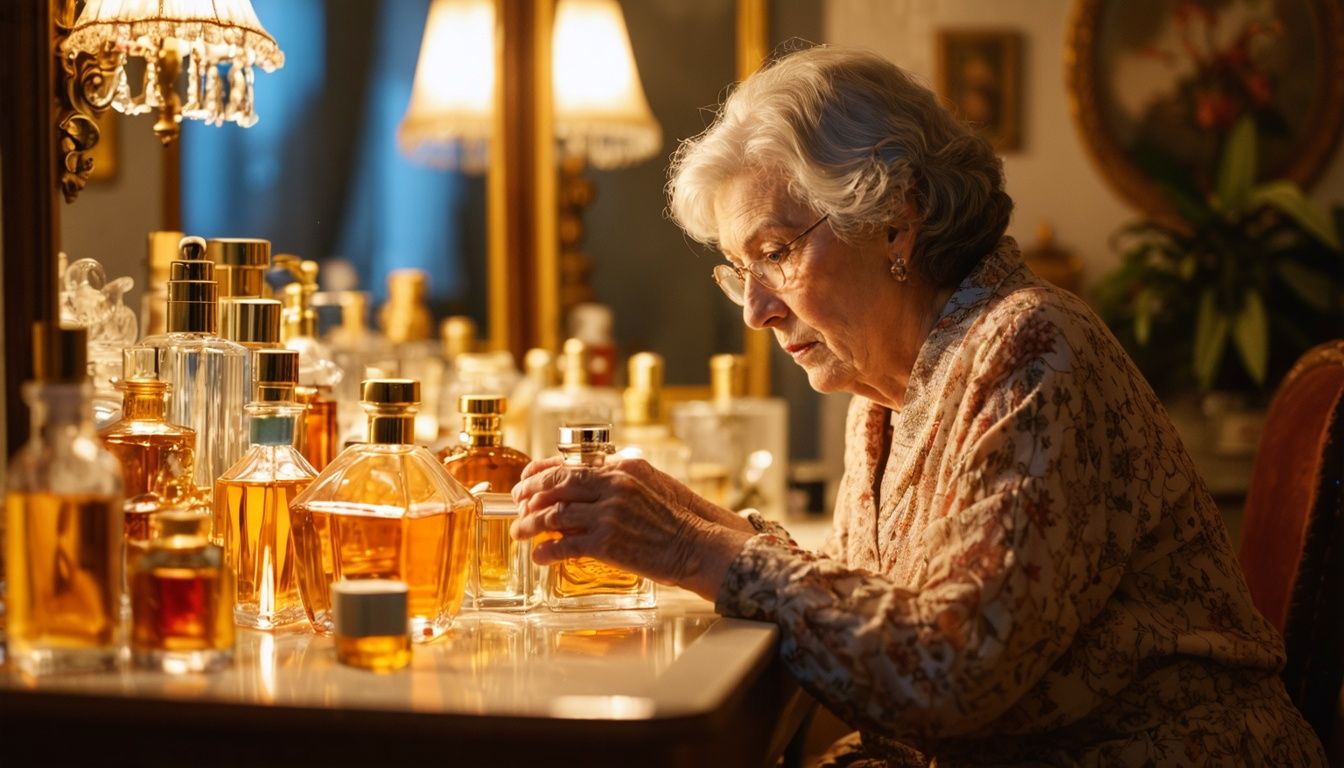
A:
x,y
394,392
574,365
410,283
727,376
584,435
253,321
239,251
277,366
60,353
299,319
162,250
482,405
140,363
458,333
370,607
191,270
643,398
354,311
539,365
177,523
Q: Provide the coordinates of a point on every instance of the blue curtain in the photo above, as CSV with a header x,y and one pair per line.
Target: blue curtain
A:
x,y
320,174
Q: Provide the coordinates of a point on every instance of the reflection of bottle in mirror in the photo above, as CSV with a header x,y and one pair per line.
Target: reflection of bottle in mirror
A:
x,y
502,572
585,583
575,400
739,444
63,521
408,325
538,373
591,323
645,434
386,509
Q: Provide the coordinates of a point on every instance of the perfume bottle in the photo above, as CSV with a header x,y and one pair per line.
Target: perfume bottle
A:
x,y
205,373
361,354
386,509
319,375
90,300
253,501
538,373
181,593
159,254
585,583
476,373
254,324
63,521
371,624
591,323
240,271
739,444
156,457
407,325
572,402
501,572
457,336
645,433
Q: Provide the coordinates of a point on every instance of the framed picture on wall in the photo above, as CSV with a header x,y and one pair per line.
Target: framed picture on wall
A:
x,y
979,74
1156,86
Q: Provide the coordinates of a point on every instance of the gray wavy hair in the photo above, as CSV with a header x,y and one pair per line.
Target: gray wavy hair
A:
x,y
851,134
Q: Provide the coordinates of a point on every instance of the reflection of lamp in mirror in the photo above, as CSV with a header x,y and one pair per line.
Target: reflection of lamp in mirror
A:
x,y
220,42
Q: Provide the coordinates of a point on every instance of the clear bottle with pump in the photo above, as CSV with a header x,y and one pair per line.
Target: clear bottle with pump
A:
x,y
156,456
538,373
63,520
585,583
502,574
253,499
181,593
739,444
574,401
206,374
387,509
645,433
407,324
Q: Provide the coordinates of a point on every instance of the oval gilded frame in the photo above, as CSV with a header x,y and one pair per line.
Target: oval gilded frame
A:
x,y
1088,102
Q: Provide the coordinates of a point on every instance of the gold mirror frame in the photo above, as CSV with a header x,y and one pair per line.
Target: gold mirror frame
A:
x,y
1088,97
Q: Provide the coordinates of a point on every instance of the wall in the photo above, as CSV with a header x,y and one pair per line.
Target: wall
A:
x,y
1052,179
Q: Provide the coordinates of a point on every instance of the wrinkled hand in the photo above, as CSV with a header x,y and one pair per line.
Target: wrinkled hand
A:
x,y
630,515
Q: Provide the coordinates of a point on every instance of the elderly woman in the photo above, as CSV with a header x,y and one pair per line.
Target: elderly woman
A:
x,y
1025,566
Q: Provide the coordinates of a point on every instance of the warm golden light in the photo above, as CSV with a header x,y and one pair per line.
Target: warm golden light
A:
x,y
449,119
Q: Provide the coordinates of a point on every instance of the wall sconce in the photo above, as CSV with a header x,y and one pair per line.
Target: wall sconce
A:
x,y
207,34
601,116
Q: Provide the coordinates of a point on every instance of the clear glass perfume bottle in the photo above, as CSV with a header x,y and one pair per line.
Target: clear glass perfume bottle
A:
x,y
739,444
585,583
181,595
253,499
156,457
574,401
502,574
386,509
538,373
645,433
63,521
205,373
90,300
407,324
361,354
475,373
319,375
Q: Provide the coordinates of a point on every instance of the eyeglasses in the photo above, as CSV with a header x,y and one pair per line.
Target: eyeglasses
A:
x,y
767,270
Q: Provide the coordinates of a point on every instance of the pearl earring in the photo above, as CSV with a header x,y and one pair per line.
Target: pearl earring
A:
x,y
898,269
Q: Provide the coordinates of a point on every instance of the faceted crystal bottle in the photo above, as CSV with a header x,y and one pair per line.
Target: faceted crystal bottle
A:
x,y
645,434
502,574
206,374
181,595
156,457
574,401
386,509
585,583
252,501
63,522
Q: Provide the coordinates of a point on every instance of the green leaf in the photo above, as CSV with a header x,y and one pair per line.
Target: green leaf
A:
x,y
1314,288
1210,339
1143,316
1287,197
1250,331
1236,172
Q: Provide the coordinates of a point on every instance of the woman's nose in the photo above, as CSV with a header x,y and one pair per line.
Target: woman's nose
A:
x,y
761,307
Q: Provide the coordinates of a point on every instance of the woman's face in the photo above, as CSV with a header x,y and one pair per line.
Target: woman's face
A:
x,y
831,314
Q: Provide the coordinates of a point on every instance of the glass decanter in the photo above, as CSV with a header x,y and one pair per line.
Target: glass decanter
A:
x,y
63,521
502,574
90,300
386,509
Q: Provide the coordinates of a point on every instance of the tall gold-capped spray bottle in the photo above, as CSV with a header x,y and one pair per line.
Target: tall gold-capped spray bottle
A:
x,y
387,509
63,520
645,433
253,500
206,374
574,401
240,270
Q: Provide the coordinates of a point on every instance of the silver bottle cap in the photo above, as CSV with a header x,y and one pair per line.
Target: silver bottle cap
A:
x,y
370,607
575,435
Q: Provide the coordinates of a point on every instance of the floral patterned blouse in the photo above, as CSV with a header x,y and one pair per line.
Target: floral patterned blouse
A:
x,y
1042,577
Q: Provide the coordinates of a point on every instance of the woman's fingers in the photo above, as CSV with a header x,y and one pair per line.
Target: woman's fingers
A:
x,y
537,466
565,517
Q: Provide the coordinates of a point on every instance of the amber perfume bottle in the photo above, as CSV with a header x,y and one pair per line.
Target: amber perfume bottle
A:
x,y
156,457
386,509
319,375
252,501
63,521
574,401
181,595
645,434
585,583
502,572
